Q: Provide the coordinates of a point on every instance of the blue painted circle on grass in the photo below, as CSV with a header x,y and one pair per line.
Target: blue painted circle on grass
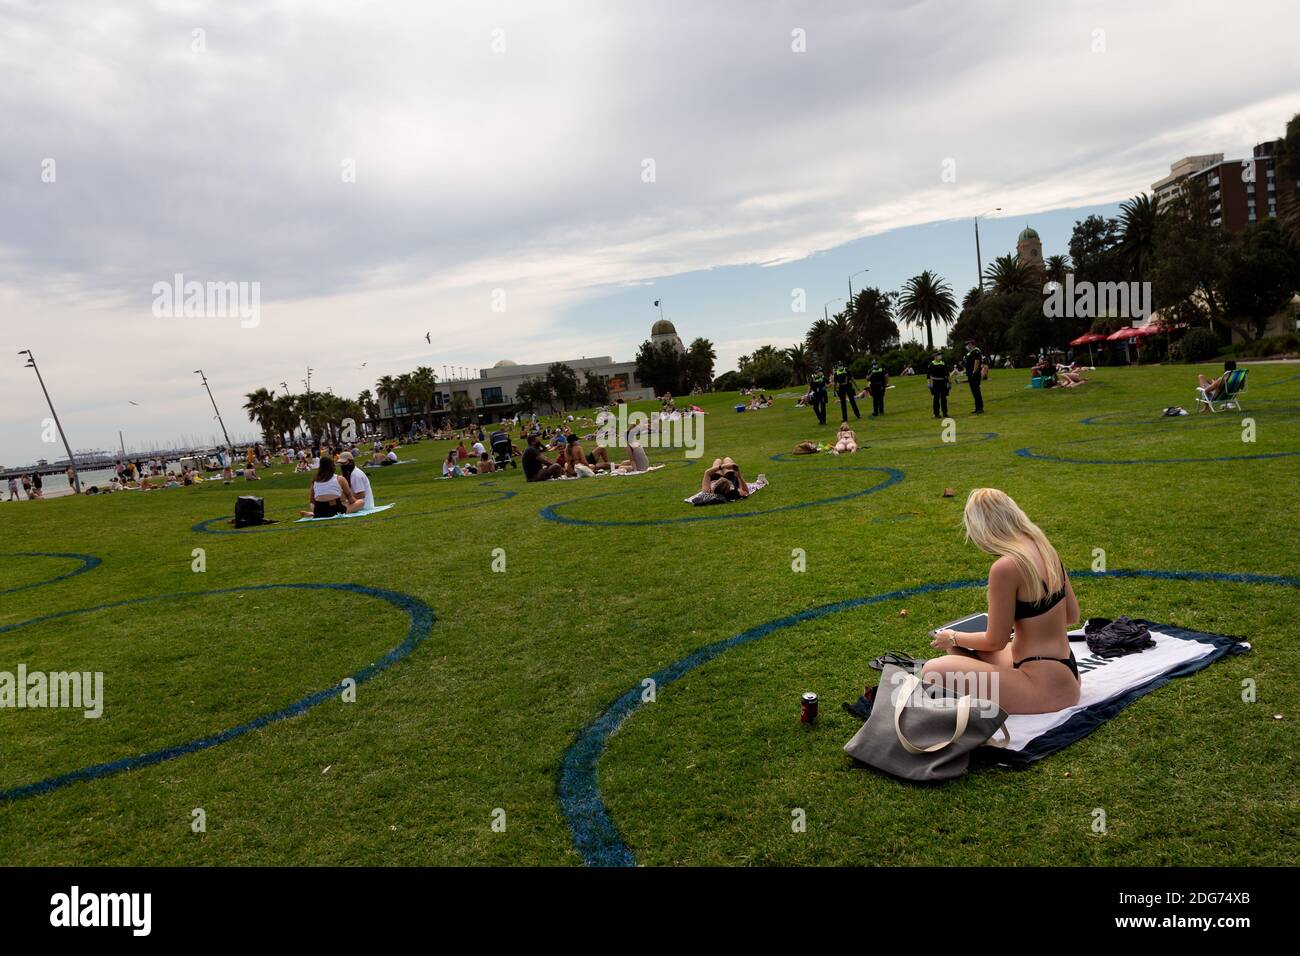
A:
x,y
1027,453
206,526
788,456
720,512
595,836
421,618
88,563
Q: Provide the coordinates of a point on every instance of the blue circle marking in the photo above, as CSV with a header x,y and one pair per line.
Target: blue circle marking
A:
x,y
88,563
788,456
1027,453
421,617
205,527
719,512
595,836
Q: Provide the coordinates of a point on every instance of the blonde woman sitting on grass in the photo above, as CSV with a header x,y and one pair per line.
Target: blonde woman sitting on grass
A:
x,y
846,440
1031,606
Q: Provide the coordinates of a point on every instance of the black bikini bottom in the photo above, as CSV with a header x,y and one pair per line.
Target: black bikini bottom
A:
x,y
1067,661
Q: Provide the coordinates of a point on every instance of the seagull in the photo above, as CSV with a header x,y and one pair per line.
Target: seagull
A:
x,y
129,402
363,365
428,337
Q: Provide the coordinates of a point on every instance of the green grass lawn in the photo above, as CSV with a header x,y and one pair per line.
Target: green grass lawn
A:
x,y
480,714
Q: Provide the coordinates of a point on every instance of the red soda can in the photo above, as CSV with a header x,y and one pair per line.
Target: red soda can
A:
x,y
808,708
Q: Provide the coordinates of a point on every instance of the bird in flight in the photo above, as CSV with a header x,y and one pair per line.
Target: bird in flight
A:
x,y
129,402
428,337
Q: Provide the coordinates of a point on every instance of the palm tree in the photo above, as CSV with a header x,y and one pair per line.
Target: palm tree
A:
x,y
259,406
1009,276
871,318
927,299
425,384
1137,223
972,298
1056,268
386,389
801,362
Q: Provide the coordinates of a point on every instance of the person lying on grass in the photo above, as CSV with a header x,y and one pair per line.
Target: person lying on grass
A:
x,y
1031,606
723,478
846,440
330,493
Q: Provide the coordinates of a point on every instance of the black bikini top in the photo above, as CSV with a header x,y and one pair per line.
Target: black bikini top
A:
x,y
1026,609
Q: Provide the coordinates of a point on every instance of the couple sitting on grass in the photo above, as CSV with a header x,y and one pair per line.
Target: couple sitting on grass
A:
x,y
1031,606
339,494
572,461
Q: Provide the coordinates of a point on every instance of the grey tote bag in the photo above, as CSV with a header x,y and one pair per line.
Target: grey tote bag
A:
x,y
916,736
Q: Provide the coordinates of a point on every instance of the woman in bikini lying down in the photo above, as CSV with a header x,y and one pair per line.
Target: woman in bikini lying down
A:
x,y
723,478
1031,607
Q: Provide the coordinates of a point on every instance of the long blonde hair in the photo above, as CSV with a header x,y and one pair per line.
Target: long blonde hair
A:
x,y
996,524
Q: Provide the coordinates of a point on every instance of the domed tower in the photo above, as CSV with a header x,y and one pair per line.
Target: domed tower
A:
x,y
1029,250
665,331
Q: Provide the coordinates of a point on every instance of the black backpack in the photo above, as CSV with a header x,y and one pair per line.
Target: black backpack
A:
x,y
249,511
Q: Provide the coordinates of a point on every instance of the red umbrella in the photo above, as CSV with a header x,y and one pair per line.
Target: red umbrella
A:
x,y
1087,339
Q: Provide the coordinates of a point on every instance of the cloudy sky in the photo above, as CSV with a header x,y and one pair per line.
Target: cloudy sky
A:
x,y
382,168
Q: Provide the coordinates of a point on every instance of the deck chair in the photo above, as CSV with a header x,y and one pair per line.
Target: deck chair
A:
x,y
500,443
1234,386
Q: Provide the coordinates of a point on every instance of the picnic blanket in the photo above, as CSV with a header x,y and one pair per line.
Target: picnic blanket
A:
x,y
1108,685
355,514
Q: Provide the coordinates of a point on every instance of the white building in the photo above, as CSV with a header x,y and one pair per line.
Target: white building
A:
x,y
493,391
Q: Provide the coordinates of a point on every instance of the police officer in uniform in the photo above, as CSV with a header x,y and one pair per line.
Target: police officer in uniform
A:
x,y
936,374
973,364
877,380
844,388
817,383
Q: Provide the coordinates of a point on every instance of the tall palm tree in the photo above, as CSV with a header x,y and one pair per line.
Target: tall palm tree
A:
x,y
386,389
1056,268
1009,276
972,298
1137,225
259,406
871,319
801,362
927,299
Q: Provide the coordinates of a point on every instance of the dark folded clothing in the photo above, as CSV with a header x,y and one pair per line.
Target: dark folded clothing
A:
x,y
862,709
1107,638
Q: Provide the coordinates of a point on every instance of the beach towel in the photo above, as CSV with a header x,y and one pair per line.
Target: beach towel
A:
x,y
355,514
1108,686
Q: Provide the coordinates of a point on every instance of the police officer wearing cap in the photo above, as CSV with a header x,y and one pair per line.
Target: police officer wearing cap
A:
x,y
844,388
973,363
936,374
877,381
817,385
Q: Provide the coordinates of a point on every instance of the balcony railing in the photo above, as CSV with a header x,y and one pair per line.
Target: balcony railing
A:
x,y
480,402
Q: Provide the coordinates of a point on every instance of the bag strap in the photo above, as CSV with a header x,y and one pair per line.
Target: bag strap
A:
x,y
963,718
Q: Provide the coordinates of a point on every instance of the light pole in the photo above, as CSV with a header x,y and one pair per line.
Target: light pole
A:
x,y
979,263
31,364
307,384
858,273
229,447
825,314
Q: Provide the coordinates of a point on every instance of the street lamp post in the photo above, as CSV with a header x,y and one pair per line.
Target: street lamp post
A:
x,y
31,364
229,447
858,273
826,314
979,262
